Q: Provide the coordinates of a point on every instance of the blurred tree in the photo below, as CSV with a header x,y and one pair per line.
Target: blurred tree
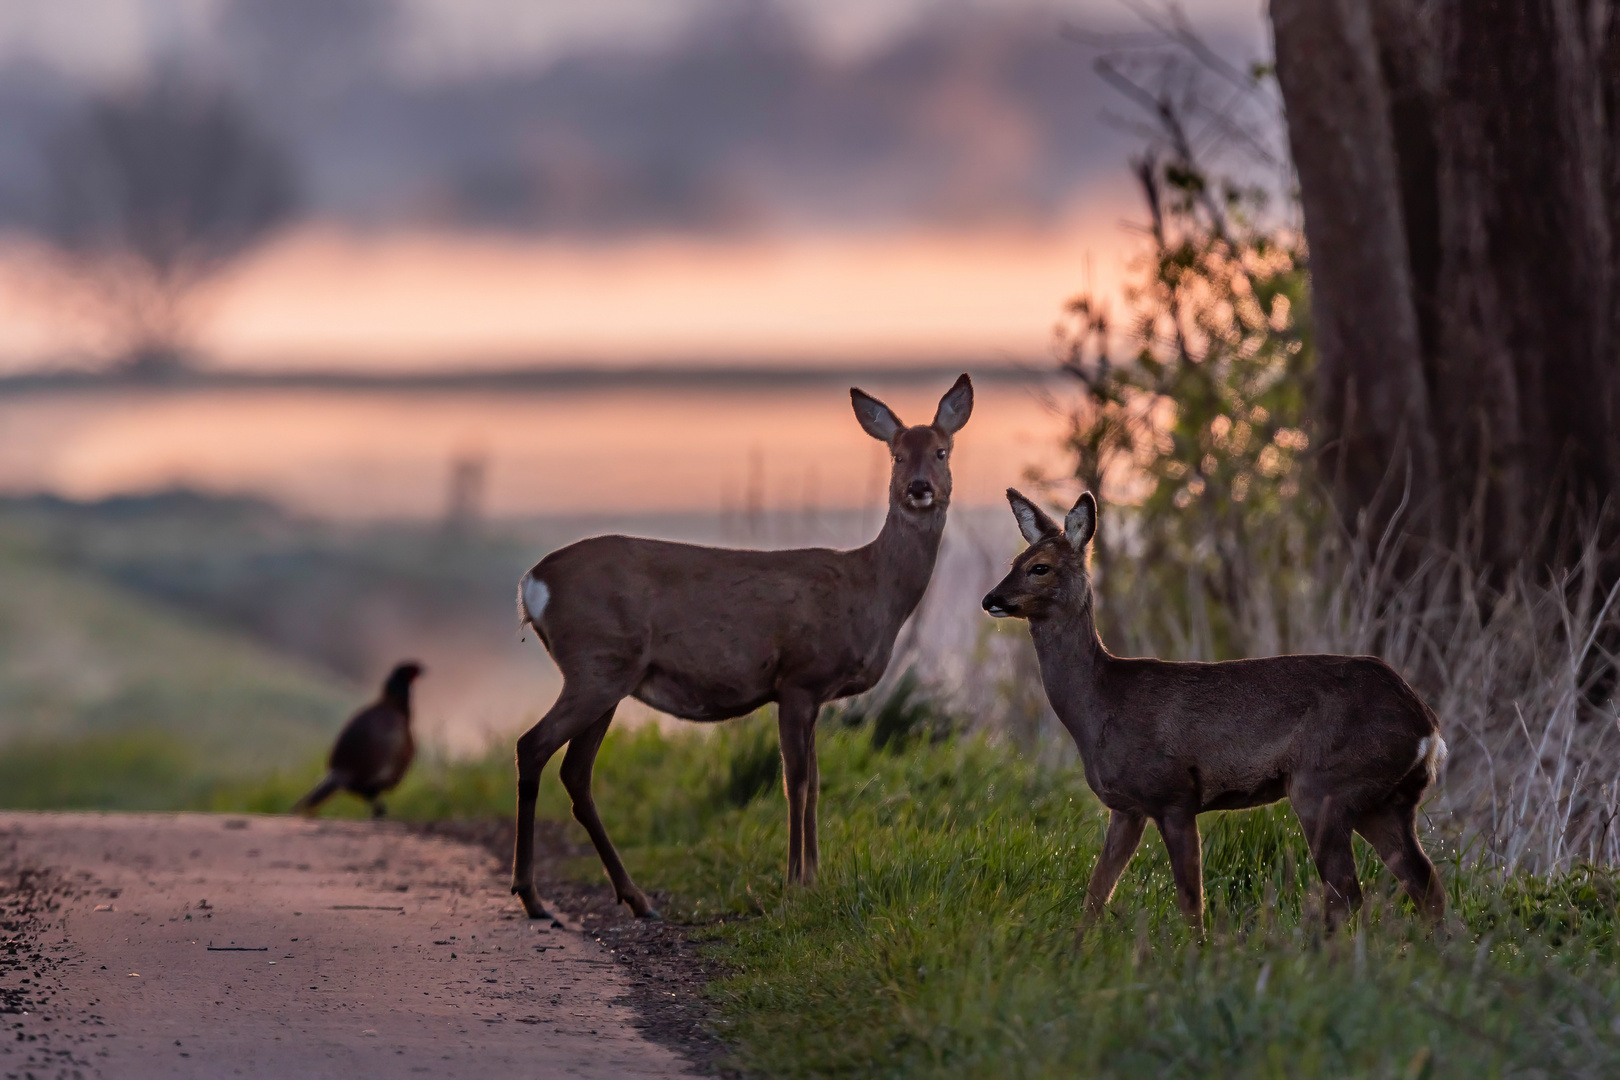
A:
x,y
152,191
1459,169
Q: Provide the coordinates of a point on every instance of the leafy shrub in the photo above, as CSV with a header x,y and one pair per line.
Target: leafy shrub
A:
x,y
1196,437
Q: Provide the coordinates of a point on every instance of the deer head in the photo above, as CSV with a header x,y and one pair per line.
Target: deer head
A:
x,y
1050,575
921,478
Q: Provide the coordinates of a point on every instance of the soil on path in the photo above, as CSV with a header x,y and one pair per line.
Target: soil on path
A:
x,y
206,946
663,961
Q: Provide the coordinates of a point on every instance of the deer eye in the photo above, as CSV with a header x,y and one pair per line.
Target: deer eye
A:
x,y
940,453
1040,570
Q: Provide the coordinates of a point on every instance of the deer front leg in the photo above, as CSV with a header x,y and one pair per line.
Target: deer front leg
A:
x,y
1180,831
795,726
1120,843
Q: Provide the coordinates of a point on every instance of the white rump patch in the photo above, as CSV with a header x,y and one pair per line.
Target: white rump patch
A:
x,y
1431,751
532,597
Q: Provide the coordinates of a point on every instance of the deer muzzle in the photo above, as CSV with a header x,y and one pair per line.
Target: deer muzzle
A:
x,y
997,607
920,494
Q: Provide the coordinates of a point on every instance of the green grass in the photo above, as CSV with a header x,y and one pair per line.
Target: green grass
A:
x,y
137,770
941,939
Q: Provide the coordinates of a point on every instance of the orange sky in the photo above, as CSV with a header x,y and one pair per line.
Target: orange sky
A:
x,y
323,297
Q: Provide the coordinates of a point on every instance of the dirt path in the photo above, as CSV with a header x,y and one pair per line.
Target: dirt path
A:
x,y
201,946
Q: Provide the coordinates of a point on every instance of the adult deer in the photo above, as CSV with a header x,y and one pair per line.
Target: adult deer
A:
x,y
709,634
1343,738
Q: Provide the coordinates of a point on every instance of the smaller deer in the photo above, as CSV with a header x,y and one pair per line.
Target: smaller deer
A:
x,y
1343,738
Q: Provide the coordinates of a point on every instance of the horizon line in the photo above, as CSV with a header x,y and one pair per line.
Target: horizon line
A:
x,y
536,377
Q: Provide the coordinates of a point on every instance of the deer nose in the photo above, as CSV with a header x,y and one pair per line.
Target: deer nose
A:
x,y
919,489
994,604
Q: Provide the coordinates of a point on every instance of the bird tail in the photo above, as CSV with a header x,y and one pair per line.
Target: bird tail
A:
x,y
318,794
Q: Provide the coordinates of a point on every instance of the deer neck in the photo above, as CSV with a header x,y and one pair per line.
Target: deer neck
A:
x,y
1073,662
902,559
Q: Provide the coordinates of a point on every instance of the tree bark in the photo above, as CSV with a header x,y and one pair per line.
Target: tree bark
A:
x,y
1372,396
1460,182
1525,284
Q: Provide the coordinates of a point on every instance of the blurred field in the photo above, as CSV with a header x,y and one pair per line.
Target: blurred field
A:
x,y
151,647
108,700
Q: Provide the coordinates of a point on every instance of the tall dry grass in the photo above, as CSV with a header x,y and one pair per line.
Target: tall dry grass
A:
x,y
1521,675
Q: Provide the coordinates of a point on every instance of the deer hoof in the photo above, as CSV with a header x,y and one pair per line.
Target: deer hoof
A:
x,y
639,907
532,907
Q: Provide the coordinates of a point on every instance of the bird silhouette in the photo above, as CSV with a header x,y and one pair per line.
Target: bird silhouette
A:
x,y
374,748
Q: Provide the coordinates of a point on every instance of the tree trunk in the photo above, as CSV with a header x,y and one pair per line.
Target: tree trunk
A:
x,y
1462,154
1525,281
1371,391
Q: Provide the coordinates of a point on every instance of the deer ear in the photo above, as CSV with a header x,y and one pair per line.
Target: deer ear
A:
x,y
1032,520
956,406
876,418
1081,523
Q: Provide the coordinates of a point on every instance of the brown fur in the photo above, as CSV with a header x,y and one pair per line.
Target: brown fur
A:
x,y
1341,737
710,633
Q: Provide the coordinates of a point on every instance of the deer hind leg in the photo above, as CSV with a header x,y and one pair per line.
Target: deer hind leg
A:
x,y
1328,834
1180,831
1392,831
796,728
574,711
576,777
1123,838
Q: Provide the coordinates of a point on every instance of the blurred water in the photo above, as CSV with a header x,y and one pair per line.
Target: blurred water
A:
x,y
419,454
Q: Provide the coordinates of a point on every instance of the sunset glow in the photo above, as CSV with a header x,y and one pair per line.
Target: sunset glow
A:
x,y
323,297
